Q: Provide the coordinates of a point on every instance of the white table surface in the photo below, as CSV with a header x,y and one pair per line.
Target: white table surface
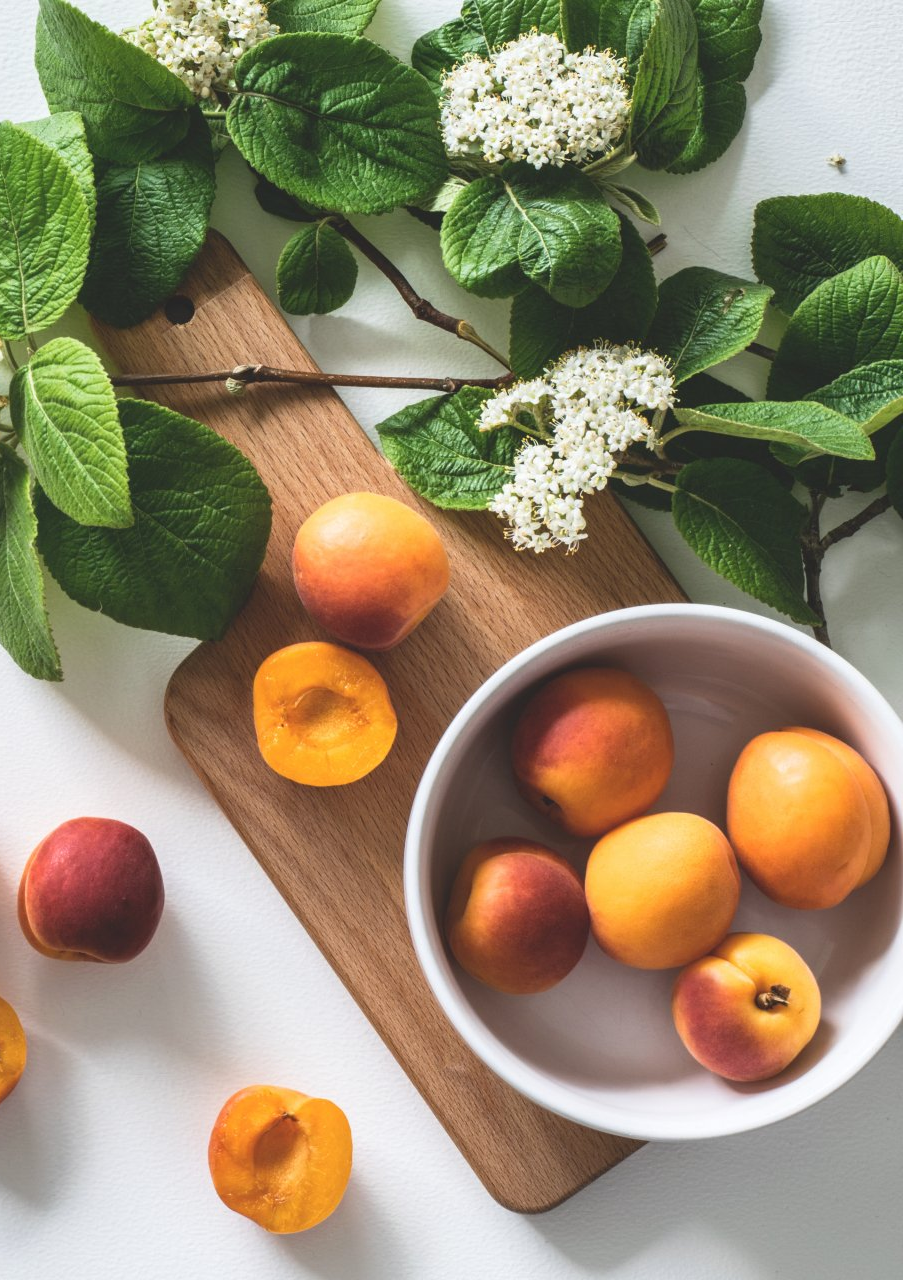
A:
x,y
103,1146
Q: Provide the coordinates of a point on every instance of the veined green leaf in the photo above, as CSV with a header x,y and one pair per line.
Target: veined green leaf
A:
x,y
803,424
345,17
317,271
638,204
499,21
729,37
870,394
436,52
44,234
64,409
24,625
65,132
721,110
337,122
705,317
132,106
436,447
664,90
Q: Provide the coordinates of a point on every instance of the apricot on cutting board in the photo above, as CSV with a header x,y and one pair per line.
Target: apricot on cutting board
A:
x,y
323,714
369,569
13,1049
592,749
662,890
280,1158
800,822
748,1009
92,890
517,917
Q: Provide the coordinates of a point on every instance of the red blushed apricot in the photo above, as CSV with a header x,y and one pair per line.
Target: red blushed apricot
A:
x,y
323,714
592,749
875,798
369,569
280,1158
748,1009
13,1049
517,917
92,890
798,819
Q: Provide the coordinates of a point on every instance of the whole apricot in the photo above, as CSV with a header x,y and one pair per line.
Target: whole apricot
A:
x,y
13,1049
798,819
517,917
592,749
323,714
92,890
280,1158
662,890
748,1009
369,569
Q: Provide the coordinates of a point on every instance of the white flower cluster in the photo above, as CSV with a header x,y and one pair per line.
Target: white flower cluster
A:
x,y
532,100
201,40
584,411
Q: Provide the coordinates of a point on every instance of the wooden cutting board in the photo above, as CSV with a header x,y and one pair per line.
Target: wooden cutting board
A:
x,y
336,855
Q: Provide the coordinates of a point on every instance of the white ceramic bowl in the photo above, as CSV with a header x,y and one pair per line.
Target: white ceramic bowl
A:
x,y
600,1048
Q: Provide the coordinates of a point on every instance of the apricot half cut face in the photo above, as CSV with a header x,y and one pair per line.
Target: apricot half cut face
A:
x,y
12,1049
280,1158
323,714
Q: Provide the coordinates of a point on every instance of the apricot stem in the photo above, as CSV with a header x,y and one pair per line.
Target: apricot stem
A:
x,y
772,999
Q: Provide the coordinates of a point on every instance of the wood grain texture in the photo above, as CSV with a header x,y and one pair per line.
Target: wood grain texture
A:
x,y
336,855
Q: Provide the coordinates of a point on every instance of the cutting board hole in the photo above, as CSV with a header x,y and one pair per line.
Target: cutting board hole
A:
x,y
179,309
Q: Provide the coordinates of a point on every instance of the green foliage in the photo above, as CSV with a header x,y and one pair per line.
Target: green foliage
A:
x,y
870,394
133,108
66,134
802,424
64,411
45,231
742,523
436,446
542,329
337,122
317,271
705,317
551,228
345,17
664,90
482,27
853,319
24,626
202,520
799,242
152,220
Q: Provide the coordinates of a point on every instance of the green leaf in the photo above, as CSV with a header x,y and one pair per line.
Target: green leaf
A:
x,y
337,122
871,394
66,134
551,228
542,329
152,221
345,17
729,37
63,407
894,475
436,447
638,204
317,271
24,626
602,23
438,51
45,231
664,91
281,205
799,242
853,319
741,522
202,521
705,317
132,106
721,110
499,21
802,424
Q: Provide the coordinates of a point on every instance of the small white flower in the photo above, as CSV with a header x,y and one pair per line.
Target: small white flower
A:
x,y
201,40
531,100
586,411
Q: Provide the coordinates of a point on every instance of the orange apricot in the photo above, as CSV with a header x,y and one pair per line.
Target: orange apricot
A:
x,y
662,890
323,714
369,569
13,1049
798,819
280,1158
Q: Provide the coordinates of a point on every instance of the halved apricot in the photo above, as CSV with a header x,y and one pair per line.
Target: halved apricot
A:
x,y
280,1158
323,714
13,1049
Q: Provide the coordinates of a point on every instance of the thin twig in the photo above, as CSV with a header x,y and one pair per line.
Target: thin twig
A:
x,y
244,374
657,243
855,523
758,349
813,554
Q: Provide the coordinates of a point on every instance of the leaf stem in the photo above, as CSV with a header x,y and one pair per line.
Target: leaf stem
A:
x,y
245,374
813,554
758,349
855,523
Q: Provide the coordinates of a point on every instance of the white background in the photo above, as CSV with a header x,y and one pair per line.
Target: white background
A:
x,y
103,1146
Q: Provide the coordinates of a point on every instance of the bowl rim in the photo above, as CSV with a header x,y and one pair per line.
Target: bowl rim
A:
x,y
552,1095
